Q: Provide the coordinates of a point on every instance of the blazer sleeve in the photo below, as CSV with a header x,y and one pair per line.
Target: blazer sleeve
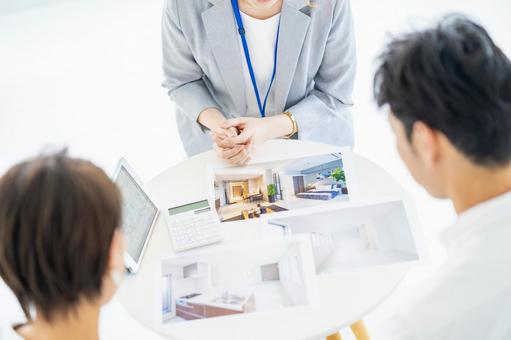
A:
x,y
324,115
182,75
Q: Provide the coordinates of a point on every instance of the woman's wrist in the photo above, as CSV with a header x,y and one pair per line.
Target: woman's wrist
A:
x,y
279,126
211,118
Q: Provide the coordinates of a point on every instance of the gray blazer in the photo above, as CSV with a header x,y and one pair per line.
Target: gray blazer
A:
x,y
316,65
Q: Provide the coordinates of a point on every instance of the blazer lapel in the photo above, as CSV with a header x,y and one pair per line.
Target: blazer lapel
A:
x,y
223,38
293,28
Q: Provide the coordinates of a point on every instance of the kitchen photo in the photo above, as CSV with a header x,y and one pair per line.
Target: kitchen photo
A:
x,y
355,236
263,189
254,277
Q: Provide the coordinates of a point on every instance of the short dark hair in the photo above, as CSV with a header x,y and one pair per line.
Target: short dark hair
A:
x,y
456,80
57,221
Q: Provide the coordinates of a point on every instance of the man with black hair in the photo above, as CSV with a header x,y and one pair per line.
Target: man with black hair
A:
x,y
448,90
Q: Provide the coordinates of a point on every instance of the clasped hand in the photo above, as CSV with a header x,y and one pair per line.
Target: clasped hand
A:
x,y
235,139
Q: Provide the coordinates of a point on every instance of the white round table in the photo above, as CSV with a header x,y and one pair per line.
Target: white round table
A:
x,y
344,298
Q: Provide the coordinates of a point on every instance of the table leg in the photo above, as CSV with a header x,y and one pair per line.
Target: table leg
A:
x,y
336,336
360,331
358,328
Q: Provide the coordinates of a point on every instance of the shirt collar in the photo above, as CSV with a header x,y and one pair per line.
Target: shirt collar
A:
x,y
477,217
299,4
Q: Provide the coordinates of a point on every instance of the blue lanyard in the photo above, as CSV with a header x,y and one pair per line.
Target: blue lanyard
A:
x,y
241,31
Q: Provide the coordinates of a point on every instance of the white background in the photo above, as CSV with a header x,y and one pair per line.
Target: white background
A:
x,y
86,74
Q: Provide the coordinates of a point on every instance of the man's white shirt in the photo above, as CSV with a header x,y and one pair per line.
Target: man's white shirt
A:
x,y
470,295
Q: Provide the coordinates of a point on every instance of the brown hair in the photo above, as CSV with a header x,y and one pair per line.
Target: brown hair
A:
x,y
57,220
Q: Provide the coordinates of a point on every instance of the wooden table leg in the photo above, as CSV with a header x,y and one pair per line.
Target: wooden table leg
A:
x,y
336,336
358,328
360,331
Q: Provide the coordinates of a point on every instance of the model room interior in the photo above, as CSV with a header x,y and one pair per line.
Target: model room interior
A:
x,y
260,189
355,237
230,282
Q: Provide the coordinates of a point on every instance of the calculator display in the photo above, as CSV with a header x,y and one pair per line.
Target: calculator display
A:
x,y
191,207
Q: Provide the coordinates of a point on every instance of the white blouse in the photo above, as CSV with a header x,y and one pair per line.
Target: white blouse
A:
x,y
261,37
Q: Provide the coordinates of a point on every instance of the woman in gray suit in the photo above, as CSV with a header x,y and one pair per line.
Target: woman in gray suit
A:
x,y
244,71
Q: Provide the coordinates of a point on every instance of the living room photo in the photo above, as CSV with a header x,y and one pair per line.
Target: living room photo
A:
x,y
257,277
277,186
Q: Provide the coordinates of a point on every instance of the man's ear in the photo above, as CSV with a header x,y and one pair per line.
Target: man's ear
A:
x,y
116,260
426,143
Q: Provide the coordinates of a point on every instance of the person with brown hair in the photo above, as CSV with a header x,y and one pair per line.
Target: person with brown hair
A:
x,y
61,246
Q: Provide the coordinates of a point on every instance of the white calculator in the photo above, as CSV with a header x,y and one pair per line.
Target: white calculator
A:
x,y
193,225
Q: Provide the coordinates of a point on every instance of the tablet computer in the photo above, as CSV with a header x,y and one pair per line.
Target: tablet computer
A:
x,y
139,214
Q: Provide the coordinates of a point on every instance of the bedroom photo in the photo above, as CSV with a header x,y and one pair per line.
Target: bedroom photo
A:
x,y
264,189
258,277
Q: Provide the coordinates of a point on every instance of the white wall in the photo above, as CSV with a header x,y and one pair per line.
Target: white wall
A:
x,y
7,6
236,276
287,186
310,178
86,74
393,233
180,285
323,245
220,193
294,289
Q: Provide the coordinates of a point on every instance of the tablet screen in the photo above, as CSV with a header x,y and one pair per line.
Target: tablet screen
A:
x,y
138,213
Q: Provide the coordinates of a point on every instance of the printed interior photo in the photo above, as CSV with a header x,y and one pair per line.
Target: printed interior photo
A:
x,y
256,277
352,237
267,188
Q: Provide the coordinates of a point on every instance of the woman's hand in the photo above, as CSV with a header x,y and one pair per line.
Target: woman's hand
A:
x,y
256,130
212,119
251,130
238,154
236,138
238,149
220,133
